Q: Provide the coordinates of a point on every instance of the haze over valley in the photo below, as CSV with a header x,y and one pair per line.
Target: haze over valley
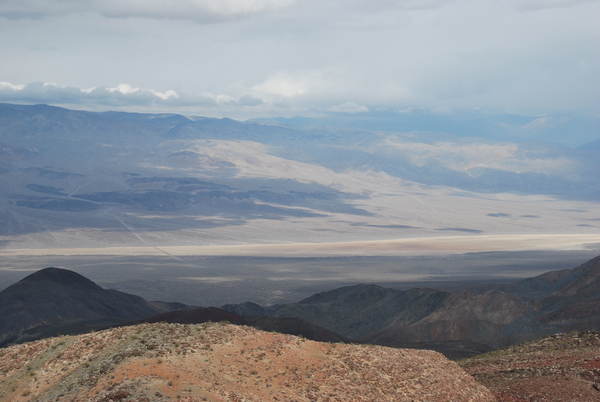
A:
x,y
167,193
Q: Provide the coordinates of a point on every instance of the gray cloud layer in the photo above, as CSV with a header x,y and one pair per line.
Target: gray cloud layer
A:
x,y
196,10
300,57
123,95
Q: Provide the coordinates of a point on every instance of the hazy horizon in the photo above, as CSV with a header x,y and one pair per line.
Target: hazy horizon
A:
x,y
526,67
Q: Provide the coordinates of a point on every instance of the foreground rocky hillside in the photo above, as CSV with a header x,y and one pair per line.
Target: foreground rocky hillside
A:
x,y
562,367
224,362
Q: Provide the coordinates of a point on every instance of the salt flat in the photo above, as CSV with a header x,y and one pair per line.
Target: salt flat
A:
x,y
446,245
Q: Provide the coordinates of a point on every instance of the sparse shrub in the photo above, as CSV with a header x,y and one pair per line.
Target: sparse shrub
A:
x,y
118,395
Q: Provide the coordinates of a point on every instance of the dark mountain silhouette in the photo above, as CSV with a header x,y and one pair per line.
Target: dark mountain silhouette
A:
x,y
55,301
284,325
494,319
460,322
356,311
576,305
58,301
249,309
545,284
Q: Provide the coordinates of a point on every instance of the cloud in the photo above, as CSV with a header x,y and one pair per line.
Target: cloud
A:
x,y
245,100
405,4
533,5
121,95
195,10
307,58
8,86
249,100
348,107
286,84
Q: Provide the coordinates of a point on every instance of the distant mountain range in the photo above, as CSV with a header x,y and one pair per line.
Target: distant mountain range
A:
x,y
135,174
54,301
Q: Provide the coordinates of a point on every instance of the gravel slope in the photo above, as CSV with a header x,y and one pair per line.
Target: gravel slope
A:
x,y
224,362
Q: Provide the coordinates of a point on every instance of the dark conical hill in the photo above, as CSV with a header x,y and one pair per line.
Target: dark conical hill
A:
x,y
55,297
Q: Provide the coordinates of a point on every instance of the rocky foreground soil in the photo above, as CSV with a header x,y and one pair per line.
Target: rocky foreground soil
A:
x,y
562,367
224,362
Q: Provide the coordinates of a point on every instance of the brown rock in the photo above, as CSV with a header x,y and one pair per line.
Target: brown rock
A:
x,y
216,362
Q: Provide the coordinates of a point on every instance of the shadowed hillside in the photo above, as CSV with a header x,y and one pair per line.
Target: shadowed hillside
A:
x,y
55,300
465,323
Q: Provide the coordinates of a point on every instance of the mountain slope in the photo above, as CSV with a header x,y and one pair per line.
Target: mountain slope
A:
x,y
548,283
58,300
494,319
576,305
400,318
560,368
570,300
283,325
355,311
217,362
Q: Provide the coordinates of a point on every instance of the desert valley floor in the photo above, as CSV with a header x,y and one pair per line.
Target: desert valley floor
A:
x,y
288,273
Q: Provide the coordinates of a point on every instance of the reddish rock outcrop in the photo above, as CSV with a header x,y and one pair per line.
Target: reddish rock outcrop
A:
x,y
216,362
559,368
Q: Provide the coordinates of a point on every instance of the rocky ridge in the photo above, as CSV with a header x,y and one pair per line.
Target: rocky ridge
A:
x,y
224,362
568,300
561,367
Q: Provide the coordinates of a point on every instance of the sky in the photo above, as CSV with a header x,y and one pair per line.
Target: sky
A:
x,y
264,58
